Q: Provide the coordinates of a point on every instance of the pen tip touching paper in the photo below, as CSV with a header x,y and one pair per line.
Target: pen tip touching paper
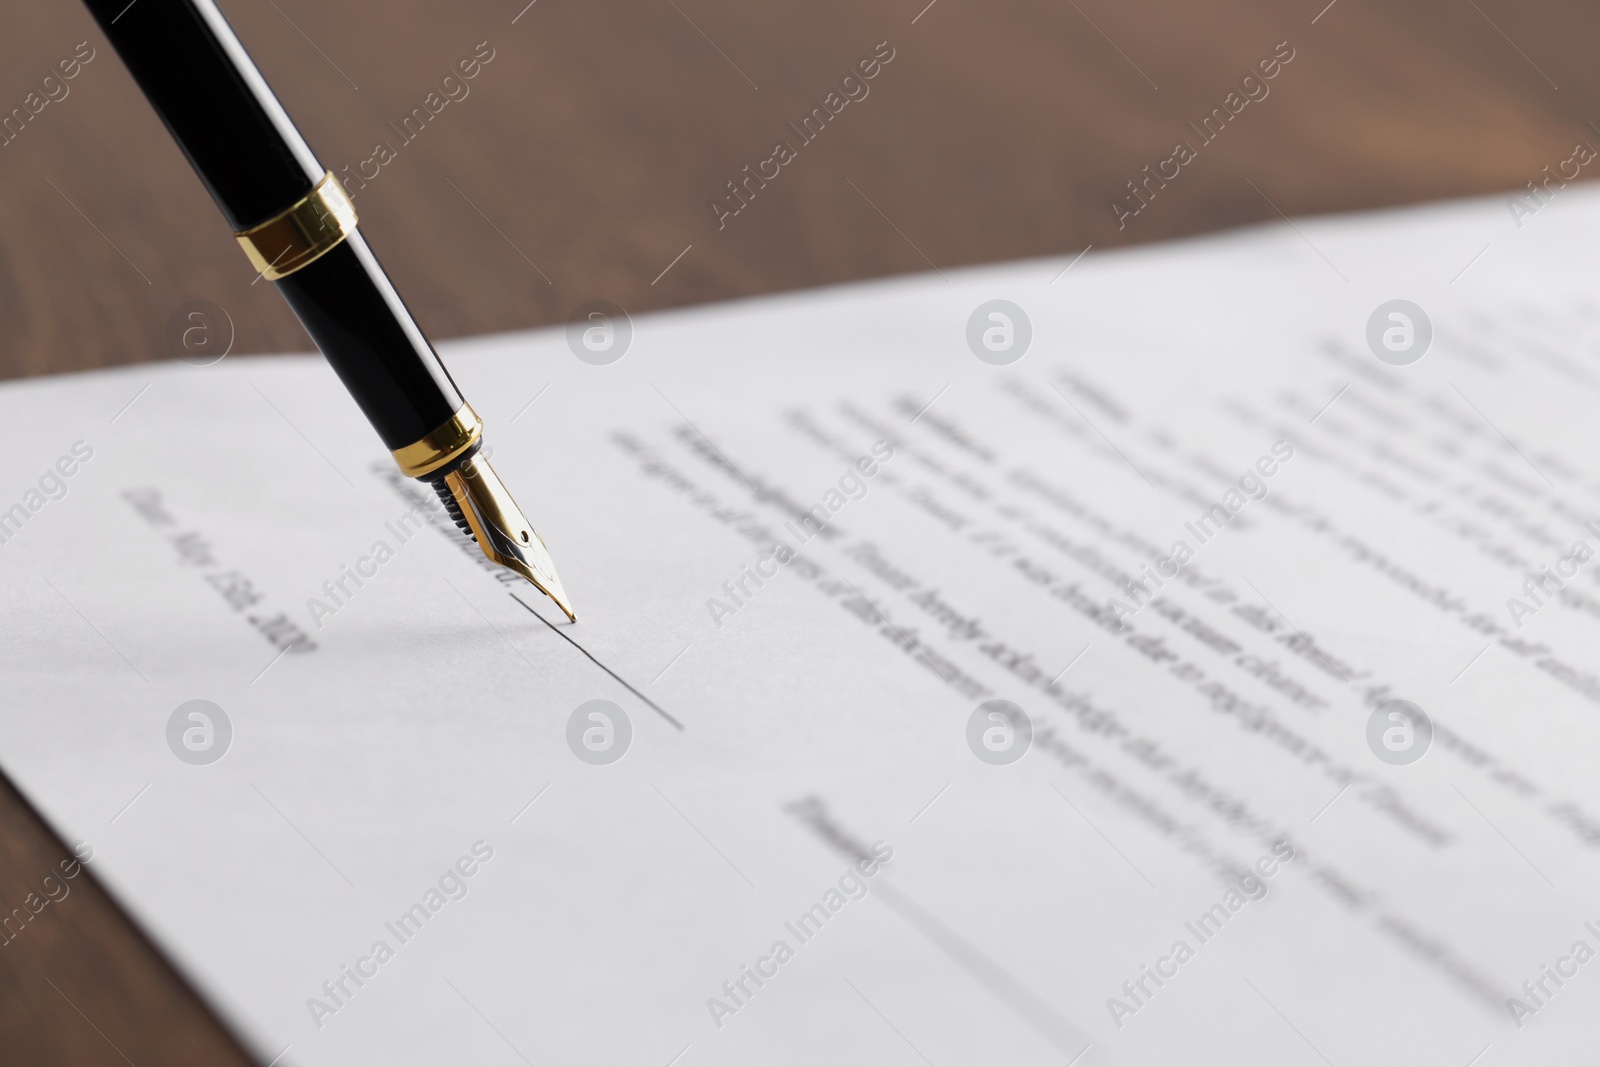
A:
x,y
546,582
484,509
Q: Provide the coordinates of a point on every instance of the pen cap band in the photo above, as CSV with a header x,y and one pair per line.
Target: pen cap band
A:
x,y
308,230
441,445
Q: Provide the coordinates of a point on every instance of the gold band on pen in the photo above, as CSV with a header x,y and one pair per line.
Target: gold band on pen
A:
x,y
441,445
303,234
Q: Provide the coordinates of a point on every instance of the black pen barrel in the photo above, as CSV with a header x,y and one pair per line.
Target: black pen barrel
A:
x,y
258,168
207,91
351,310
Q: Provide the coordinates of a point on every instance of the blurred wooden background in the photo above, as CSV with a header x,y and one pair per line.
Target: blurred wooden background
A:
x,y
579,166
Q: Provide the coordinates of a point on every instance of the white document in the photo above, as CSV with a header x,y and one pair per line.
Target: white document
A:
x,y
812,850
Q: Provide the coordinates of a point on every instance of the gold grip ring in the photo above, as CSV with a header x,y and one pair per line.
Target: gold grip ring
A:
x,y
302,234
441,445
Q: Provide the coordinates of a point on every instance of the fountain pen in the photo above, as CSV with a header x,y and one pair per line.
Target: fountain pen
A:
x,y
297,225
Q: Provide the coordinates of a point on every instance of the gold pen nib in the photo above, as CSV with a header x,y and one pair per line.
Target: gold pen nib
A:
x,y
479,502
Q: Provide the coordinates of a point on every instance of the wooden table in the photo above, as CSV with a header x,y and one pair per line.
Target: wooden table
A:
x,y
582,163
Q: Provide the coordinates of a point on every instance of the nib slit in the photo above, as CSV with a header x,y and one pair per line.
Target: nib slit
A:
x,y
478,502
